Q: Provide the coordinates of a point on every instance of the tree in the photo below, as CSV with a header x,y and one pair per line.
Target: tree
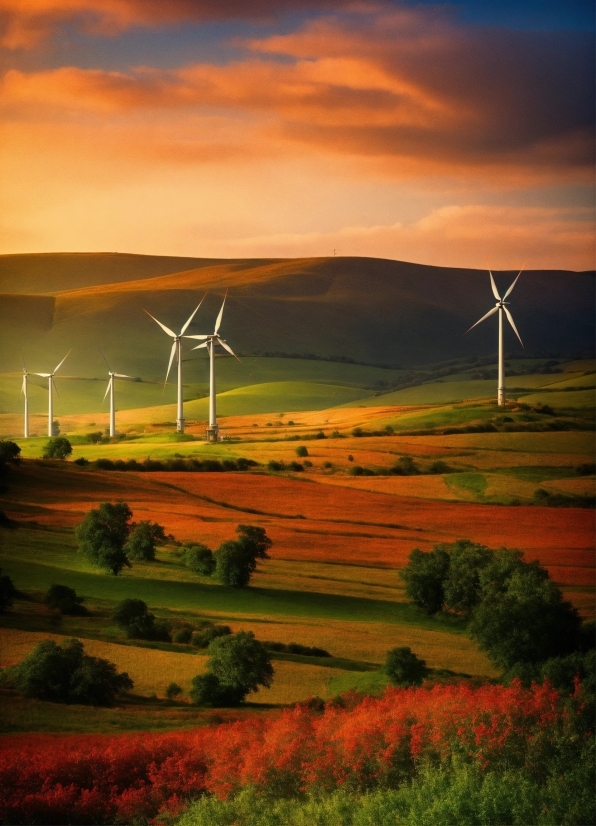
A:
x,y
302,451
143,538
199,558
462,583
173,690
425,576
58,447
9,452
103,534
236,560
134,617
522,616
7,592
404,668
65,674
237,666
64,599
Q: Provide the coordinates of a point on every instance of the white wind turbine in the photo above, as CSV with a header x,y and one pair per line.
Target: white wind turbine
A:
x,y
110,390
501,308
25,392
177,351
51,383
209,343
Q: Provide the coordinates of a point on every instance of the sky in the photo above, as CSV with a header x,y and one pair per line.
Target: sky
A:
x,y
453,134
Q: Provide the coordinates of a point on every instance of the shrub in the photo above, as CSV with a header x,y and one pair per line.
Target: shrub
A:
x,y
64,599
184,635
95,438
7,592
405,466
275,466
301,451
103,534
208,690
296,466
208,633
65,674
237,666
133,616
404,668
439,466
588,469
199,559
9,453
81,461
58,447
173,690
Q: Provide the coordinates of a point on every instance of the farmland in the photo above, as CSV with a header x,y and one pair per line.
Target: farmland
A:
x,y
338,541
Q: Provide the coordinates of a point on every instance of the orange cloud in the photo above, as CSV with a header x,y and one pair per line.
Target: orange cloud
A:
x,y
25,23
453,236
406,92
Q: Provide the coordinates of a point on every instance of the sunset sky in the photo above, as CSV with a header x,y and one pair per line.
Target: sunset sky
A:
x,y
456,134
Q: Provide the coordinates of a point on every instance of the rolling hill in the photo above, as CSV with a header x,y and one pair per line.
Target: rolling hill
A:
x,y
373,311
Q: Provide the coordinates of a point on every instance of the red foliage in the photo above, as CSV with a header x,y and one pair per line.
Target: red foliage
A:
x,y
366,742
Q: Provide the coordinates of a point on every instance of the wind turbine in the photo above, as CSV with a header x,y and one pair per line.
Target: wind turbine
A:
x,y
501,308
51,382
110,390
24,391
209,343
177,351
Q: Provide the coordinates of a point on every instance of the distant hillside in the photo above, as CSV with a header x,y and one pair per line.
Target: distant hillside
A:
x,y
370,310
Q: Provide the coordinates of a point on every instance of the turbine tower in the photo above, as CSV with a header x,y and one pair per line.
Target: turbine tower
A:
x,y
51,383
501,308
110,390
209,343
177,351
25,392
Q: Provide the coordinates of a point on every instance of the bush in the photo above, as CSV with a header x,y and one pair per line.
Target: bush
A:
x,y
208,633
9,453
301,451
405,466
439,466
208,690
173,690
588,469
199,559
404,668
65,674
103,534
184,636
64,599
81,461
95,438
7,592
58,447
133,616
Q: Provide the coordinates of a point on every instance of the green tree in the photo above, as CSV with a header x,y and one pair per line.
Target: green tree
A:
x,y
199,558
237,666
103,534
404,668
65,674
143,539
9,452
302,451
173,690
522,616
236,560
7,592
58,447
425,576
462,583
64,599
134,617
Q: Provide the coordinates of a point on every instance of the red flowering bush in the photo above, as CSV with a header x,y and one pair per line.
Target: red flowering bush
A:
x,y
363,744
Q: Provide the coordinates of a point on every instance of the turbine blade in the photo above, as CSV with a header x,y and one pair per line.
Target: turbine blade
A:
x,y
199,338
510,290
24,365
122,376
490,312
173,351
107,389
198,347
104,358
24,387
184,329
163,326
63,360
220,315
508,314
54,386
43,375
228,348
494,286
